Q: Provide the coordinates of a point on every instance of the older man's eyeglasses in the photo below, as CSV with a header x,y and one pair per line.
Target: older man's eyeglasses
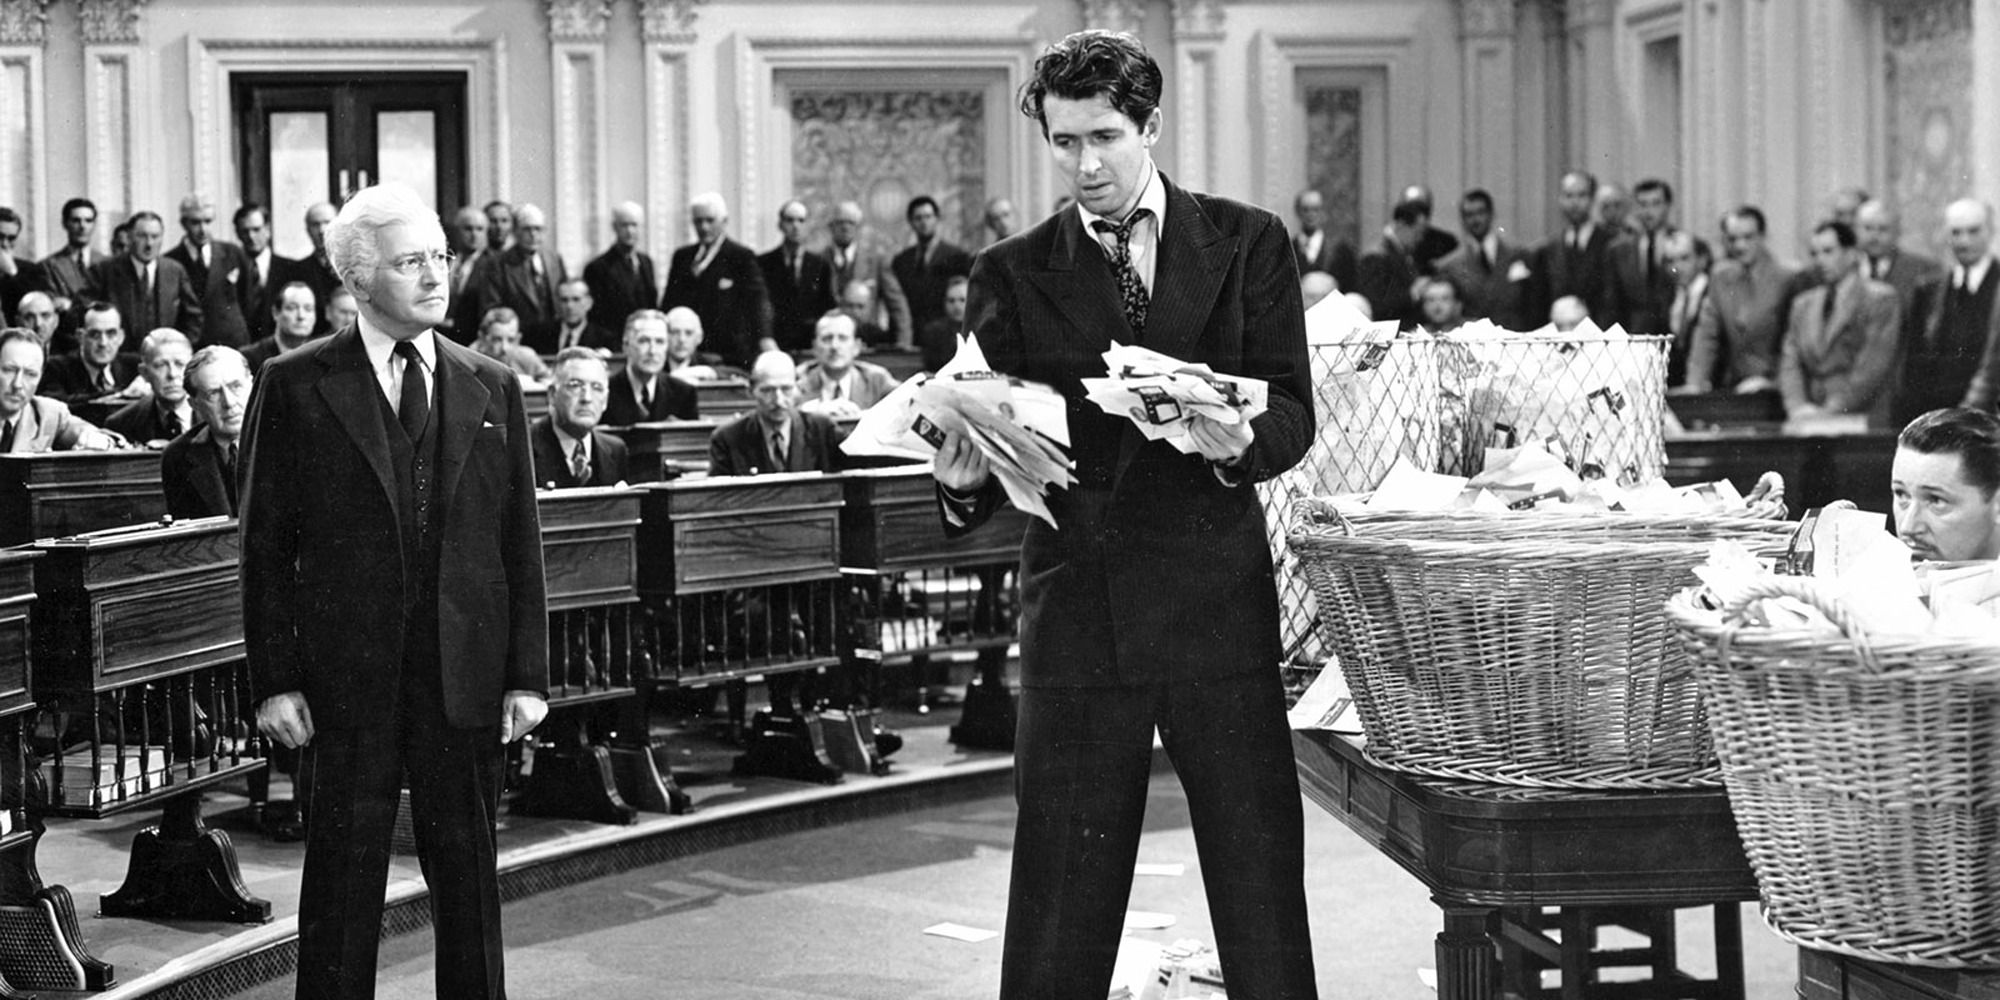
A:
x,y
410,263
578,387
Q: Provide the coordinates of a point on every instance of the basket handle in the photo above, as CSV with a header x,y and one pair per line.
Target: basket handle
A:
x,y
1812,592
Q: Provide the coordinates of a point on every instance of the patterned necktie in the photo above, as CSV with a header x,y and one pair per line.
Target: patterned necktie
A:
x,y
414,408
579,464
1130,287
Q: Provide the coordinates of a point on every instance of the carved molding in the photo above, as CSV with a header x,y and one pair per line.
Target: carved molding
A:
x,y
1114,15
1487,18
24,22
110,22
578,20
1914,23
668,20
1197,19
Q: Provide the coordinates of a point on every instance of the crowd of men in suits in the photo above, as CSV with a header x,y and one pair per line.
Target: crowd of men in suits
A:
x,y
1864,327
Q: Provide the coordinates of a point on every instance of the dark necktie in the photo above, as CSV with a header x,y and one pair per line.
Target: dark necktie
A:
x,y
579,464
229,476
1485,262
1648,240
414,407
777,452
1130,287
1826,308
104,379
170,423
6,437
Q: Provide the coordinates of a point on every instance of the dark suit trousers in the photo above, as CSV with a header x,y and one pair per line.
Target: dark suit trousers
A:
x,y
454,778
1082,760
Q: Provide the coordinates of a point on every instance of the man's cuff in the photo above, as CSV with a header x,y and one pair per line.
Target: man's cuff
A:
x,y
1232,473
959,504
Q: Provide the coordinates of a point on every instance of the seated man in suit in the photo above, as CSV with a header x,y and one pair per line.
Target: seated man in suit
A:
x,y
294,314
198,469
775,436
166,414
31,423
150,291
836,383
857,299
98,369
569,449
38,316
500,339
1839,351
642,392
939,337
574,327
685,358
220,273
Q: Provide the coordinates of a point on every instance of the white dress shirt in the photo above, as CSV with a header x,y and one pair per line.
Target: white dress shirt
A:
x,y
388,368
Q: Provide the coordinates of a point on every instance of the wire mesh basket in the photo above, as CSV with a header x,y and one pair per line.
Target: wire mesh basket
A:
x,y
1437,404
1864,773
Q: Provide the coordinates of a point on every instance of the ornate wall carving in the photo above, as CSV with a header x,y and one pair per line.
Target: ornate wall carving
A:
x,y
1333,157
668,20
1486,18
1197,19
24,22
1928,76
578,20
1114,15
110,22
883,147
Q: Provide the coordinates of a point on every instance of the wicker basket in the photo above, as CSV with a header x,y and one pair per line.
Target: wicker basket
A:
x,y
1865,778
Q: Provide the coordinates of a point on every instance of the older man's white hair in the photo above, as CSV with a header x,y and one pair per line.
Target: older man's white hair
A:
x,y
221,357
711,200
772,365
163,337
351,240
193,204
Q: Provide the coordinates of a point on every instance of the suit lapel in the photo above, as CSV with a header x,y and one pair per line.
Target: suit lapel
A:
x,y
1079,280
463,407
1193,259
209,484
352,393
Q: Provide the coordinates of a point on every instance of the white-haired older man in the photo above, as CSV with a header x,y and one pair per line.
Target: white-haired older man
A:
x,y
221,272
394,612
719,279
165,413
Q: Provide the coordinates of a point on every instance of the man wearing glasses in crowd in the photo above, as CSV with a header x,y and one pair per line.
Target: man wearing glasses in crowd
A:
x,y
569,449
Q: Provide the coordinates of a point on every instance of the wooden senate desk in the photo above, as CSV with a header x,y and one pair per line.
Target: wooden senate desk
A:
x,y
1507,865
70,492
916,593
717,400
138,653
664,450
1826,976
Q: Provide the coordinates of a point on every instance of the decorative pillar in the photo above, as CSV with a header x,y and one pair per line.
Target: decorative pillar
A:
x,y
1116,15
117,144
1491,149
1593,97
1197,34
576,56
23,111
669,30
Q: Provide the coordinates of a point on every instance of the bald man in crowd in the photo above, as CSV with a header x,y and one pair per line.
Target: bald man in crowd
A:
x,y
852,262
220,271
316,269
1916,277
1957,355
1000,220
467,234
776,435
621,279
837,383
720,280
798,281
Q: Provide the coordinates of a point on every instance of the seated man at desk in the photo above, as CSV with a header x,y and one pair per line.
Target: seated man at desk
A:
x,y
837,383
569,449
775,436
98,368
198,469
642,391
31,423
500,339
166,414
685,358
294,313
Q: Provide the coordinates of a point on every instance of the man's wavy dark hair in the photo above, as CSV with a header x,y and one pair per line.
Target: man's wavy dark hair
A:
x,y
1089,63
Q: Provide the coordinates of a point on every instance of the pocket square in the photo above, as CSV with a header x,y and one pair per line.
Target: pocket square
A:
x,y
483,424
725,284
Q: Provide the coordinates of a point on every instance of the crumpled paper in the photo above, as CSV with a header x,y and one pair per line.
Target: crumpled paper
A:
x,y
1163,395
1020,426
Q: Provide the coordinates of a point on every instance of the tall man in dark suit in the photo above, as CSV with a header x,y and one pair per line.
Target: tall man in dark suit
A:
x,y
198,469
574,327
642,391
799,281
268,273
1491,272
219,270
1388,275
1149,603
65,273
621,279
569,449
1577,260
524,278
395,620
719,279
150,291
1742,323
1688,259
923,268
1642,287
1960,349
1916,277
19,274
853,262
316,269
1840,344
1315,249
468,240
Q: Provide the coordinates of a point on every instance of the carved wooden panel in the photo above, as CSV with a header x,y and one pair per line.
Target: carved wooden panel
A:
x,y
883,147
589,547
66,493
1928,71
891,523
1333,156
17,594
711,534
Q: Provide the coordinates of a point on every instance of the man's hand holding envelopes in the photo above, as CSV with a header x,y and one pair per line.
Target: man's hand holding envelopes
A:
x,y
1016,425
1189,406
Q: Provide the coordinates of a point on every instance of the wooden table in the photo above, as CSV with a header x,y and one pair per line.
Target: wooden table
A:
x,y
1819,468
917,593
1506,865
139,666
1826,976
70,492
